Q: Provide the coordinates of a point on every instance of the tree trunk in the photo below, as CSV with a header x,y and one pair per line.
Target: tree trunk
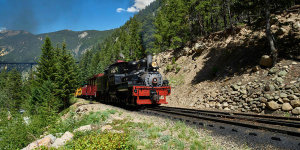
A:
x,y
224,14
229,13
274,52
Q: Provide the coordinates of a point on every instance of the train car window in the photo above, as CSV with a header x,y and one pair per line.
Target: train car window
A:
x,y
114,70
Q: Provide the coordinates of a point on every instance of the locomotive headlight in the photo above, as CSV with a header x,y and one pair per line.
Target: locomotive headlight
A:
x,y
154,64
154,80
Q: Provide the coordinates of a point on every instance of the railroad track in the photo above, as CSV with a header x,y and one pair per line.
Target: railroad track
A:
x,y
289,126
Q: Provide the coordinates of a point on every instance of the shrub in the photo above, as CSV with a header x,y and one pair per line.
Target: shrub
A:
x,y
177,69
103,141
169,68
70,123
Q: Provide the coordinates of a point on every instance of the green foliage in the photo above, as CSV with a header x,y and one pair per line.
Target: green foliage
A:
x,y
70,123
171,24
11,90
43,100
103,141
67,75
47,67
179,21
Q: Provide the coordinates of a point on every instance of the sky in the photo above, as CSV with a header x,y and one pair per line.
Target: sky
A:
x,y
43,16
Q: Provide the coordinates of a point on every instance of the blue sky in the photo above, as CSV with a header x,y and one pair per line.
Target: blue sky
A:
x,y
42,16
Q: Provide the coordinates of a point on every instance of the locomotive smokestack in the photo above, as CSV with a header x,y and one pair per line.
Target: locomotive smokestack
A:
x,y
149,60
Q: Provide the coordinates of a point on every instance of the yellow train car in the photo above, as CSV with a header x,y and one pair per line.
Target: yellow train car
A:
x,y
78,92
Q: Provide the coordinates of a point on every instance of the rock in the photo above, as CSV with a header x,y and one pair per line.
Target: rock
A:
x,y
199,47
186,51
263,100
283,95
292,97
244,92
81,110
266,61
296,111
285,100
281,31
269,87
294,63
63,140
255,68
282,73
268,96
235,87
117,131
218,105
273,71
225,104
206,105
279,79
53,138
273,105
83,128
227,109
286,107
46,141
106,127
295,103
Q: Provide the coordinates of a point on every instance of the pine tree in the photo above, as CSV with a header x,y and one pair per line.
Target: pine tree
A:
x,y
136,47
47,64
14,87
66,78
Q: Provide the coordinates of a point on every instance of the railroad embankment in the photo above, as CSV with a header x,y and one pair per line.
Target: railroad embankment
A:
x,y
231,70
93,125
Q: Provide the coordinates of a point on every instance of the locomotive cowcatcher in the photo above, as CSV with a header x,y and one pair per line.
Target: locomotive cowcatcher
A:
x,y
130,83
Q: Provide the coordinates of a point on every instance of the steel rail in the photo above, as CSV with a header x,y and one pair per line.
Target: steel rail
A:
x,y
257,118
254,124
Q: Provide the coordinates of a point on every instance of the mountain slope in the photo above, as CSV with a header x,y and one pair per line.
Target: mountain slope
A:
x,y
22,46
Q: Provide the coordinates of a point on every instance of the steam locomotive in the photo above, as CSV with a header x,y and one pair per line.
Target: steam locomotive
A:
x,y
129,83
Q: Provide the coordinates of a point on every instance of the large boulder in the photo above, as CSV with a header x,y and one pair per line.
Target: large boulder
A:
x,y
106,127
282,73
286,107
295,103
296,111
46,141
199,47
272,105
63,140
83,128
266,61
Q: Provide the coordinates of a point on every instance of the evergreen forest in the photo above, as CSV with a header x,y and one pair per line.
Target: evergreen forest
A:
x,y
28,106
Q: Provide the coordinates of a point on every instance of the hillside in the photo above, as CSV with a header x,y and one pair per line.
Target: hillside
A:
x,y
22,46
225,70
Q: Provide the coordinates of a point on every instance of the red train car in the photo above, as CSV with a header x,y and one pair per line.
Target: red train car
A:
x,y
89,90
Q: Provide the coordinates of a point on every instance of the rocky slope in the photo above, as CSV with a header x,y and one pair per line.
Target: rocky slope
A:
x,y
22,46
222,71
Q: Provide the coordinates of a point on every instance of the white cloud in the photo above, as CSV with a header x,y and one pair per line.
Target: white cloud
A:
x,y
120,10
137,6
132,9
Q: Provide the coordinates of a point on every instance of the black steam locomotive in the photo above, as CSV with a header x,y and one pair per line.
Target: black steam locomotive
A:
x,y
131,83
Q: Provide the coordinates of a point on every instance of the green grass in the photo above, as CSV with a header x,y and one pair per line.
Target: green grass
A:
x,y
71,123
176,80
